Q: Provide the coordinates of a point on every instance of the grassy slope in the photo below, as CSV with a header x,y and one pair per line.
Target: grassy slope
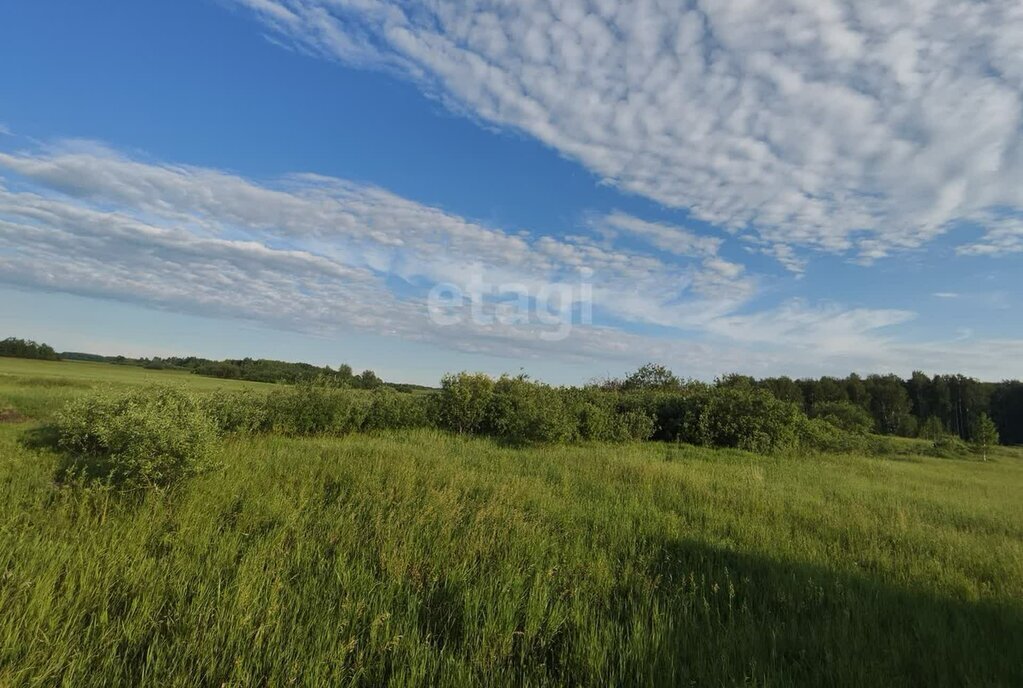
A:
x,y
426,558
37,388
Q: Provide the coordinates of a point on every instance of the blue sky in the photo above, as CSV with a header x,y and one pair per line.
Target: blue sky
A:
x,y
777,189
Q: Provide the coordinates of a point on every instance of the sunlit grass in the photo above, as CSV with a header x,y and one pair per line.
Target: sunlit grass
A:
x,y
419,558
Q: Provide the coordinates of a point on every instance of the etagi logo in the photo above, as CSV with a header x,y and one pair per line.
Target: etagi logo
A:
x,y
549,309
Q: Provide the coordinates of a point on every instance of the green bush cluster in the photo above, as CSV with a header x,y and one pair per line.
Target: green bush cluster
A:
x,y
158,436
844,415
310,409
521,411
739,417
150,437
949,447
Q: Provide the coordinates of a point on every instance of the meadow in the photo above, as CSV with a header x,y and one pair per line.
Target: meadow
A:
x,y
419,557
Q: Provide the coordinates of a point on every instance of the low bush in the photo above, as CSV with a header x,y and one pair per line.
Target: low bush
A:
x,y
150,437
635,426
309,409
750,419
844,415
949,447
522,411
237,412
602,416
675,416
463,403
820,435
389,409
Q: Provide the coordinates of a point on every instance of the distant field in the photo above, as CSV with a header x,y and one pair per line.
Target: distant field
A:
x,y
37,388
21,371
419,558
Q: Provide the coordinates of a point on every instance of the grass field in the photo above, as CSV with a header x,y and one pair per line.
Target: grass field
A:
x,y
425,559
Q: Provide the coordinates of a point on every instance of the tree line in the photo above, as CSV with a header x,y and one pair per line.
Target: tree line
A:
x,y
251,370
26,348
920,406
924,406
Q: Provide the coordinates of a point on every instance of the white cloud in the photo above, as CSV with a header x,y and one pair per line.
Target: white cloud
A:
x,y
5,130
868,127
309,250
1003,235
666,237
321,254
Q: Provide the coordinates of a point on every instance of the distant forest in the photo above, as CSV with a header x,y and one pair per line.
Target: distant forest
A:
x,y
922,406
26,348
253,370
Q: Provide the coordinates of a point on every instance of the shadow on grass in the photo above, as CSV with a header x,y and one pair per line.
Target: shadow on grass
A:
x,y
41,437
736,618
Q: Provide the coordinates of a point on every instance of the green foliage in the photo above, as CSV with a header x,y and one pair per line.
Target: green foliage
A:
x,y
676,415
237,411
150,437
821,435
950,447
651,376
844,415
889,403
249,369
1006,406
309,409
463,403
753,420
26,348
522,411
932,429
985,435
605,416
390,410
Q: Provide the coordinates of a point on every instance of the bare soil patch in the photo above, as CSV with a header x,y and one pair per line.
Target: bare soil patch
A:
x,y
11,416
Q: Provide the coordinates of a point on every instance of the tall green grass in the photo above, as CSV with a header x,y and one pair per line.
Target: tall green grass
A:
x,y
421,558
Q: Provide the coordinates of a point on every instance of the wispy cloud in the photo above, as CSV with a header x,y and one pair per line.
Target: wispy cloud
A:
x,y
310,250
322,254
1002,235
840,126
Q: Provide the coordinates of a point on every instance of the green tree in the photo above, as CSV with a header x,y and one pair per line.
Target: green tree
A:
x,y
463,402
652,376
932,429
26,348
889,403
844,415
985,434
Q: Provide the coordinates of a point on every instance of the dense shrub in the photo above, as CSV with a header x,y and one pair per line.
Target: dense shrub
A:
x,y
308,409
522,411
147,437
237,412
844,415
635,425
596,422
674,416
606,416
820,435
518,410
950,447
750,419
395,410
463,403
